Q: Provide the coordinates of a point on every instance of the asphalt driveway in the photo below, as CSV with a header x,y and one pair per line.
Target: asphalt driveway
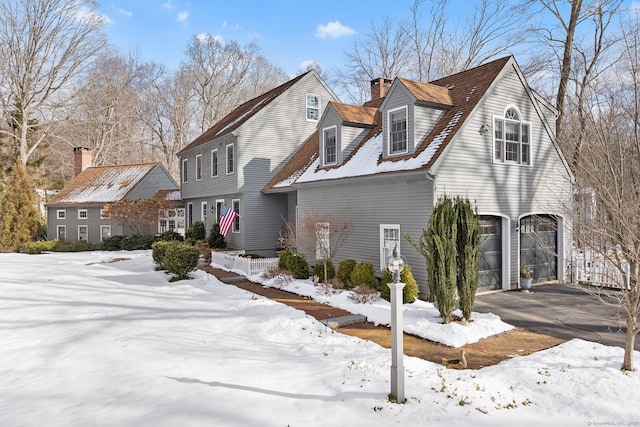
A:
x,y
560,310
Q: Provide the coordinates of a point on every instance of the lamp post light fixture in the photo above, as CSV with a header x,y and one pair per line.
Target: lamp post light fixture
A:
x,y
396,265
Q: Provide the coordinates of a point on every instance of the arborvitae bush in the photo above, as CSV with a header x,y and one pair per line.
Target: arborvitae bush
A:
x,y
363,274
216,239
298,266
197,231
410,291
318,270
181,259
441,257
345,268
468,250
19,217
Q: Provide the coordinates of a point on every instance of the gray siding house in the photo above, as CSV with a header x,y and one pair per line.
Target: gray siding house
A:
x,y
75,212
481,134
233,160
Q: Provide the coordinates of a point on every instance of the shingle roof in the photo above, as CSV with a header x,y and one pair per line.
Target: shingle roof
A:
x,y
169,195
241,114
102,184
355,114
463,92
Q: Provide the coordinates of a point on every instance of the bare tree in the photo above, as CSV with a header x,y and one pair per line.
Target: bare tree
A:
x,y
322,234
219,68
46,45
610,174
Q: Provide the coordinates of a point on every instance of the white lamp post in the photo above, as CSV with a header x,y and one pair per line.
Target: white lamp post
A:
x,y
396,265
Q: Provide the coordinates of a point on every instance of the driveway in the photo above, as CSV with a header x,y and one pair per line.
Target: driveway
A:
x,y
559,310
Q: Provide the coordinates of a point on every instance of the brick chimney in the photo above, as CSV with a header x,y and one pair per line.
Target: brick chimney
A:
x,y
83,158
380,87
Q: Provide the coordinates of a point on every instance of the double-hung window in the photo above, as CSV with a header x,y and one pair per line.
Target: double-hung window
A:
x,y
511,139
61,214
198,167
313,107
83,233
230,159
389,239
330,146
214,163
82,214
398,133
235,205
185,163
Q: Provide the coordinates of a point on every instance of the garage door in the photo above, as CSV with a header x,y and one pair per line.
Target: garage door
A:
x,y
539,246
490,271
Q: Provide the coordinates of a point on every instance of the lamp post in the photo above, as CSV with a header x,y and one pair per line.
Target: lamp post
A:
x,y
396,265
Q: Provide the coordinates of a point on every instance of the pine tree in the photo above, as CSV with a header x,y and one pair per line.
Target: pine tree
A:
x,y
19,217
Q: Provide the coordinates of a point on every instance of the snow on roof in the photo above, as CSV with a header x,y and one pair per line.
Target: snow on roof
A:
x,y
365,161
103,184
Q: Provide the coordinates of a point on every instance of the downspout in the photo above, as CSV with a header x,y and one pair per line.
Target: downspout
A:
x,y
433,178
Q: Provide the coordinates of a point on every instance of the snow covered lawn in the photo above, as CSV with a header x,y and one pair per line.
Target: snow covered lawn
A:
x,y
88,342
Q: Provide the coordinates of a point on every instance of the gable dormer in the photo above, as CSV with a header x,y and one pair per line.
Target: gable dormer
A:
x,y
341,128
410,110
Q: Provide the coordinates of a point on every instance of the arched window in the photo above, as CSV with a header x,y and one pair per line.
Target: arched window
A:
x,y
511,138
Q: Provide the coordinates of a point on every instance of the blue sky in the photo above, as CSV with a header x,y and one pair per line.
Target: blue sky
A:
x,y
290,32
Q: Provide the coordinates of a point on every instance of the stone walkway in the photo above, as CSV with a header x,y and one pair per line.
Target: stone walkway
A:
x,y
486,352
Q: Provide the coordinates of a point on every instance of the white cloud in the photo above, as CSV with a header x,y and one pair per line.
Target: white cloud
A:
x,y
182,16
92,15
334,30
635,6
203,37
121,11
224,24
168,5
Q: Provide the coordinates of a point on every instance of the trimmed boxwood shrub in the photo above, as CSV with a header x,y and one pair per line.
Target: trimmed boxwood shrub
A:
x,y
34,248
181,259
283,259
345,268
364,275
410,291
318,270
159,250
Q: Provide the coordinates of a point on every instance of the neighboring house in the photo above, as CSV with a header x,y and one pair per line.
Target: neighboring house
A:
x,y
481,134
76,211
233,160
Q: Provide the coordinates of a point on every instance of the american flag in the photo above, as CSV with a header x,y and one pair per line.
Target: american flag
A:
x,y
227,216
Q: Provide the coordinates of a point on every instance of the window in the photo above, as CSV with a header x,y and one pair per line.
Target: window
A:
x,y
204,212
83,232
162,226
61,214
398,131
185,163
105,232
330,146
189,214
389,239
62,232
323,241
82,214
102,216
236,222
313,107
230,159
219,203
511,139
198,167
214,163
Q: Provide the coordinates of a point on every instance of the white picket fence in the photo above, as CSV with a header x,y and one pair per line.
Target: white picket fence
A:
x,y
248,266
600,272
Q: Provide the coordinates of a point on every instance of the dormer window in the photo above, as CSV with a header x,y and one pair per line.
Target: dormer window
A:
x,y
330,144
398,137
511,138
313,107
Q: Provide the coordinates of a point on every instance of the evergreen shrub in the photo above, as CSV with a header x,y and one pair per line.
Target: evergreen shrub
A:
x,y
298,266
318,270
216,239
410,291
197,231
345,268
363,274
181,259
159,250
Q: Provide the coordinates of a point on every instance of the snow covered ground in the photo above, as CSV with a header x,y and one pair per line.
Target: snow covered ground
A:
x,y
89,342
